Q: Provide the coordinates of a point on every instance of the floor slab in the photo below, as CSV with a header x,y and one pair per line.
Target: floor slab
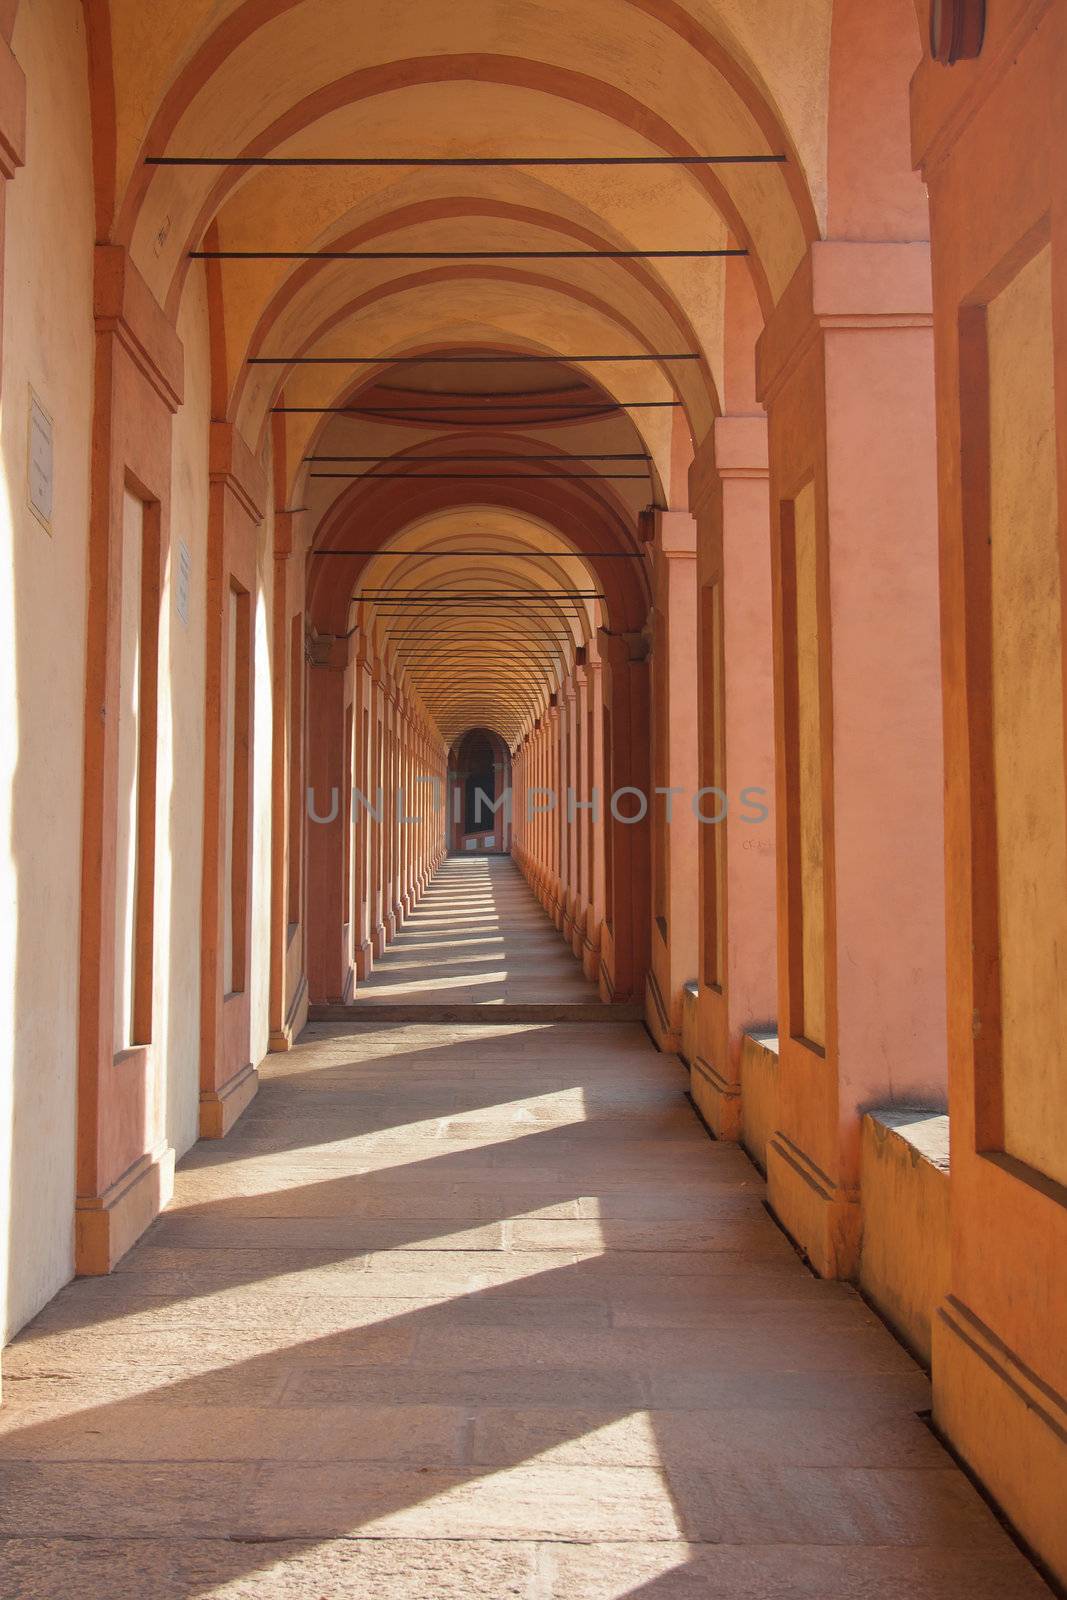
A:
x,y
476,1310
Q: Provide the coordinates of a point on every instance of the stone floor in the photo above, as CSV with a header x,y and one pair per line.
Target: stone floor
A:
x,y
476,1312
478,936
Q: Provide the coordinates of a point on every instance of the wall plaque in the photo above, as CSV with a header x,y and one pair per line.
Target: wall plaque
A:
x,y
182,580
40,463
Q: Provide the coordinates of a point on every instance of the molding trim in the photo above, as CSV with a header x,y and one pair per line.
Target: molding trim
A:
x,y
232,464
843,285
221,1107
107,1225
282,1038
821,1217
714,1079
12,113
124,305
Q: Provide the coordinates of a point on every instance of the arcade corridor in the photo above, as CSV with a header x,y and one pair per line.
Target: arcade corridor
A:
x,y
477,1310
533,799
476,937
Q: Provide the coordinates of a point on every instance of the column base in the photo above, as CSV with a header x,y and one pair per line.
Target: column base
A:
x,y
820,1216
107,1225
364,958
378,941
281,1039
590,955
1009,1427
390,926
221,1107
717,1099
667,1037
759,1095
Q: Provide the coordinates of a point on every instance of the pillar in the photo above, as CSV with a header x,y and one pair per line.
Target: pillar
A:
x,y
673,822
990,136
363,825
582,826
624,948
379,785
288,999
736,968
569,824
327,965
125,1167
554,818
846,373
597,824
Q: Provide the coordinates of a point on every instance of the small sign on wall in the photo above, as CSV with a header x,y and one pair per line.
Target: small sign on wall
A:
x,y
182,580
40,463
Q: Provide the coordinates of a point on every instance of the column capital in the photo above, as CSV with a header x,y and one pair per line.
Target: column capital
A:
x,y
12,113
676,535
326,650
232,465
285,528
844,285
124,305
621,649
736,446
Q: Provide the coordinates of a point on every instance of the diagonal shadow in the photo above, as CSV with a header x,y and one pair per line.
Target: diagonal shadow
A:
x,y
480,1410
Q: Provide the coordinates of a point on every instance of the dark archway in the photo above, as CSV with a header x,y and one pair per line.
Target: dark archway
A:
x,y
479,818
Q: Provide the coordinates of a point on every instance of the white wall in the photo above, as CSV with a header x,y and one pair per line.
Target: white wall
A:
x,y
181,741
263,648
48,342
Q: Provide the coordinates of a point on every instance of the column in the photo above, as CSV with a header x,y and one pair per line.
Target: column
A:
x,y
125,1167
737,967
379,801
673,822
624,955
990,134
328,966
598,791
581,827
846,374
288,977
364,840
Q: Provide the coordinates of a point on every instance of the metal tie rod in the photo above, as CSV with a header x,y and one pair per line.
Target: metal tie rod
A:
x,y
632,455
763,159
450,360
399,593
481,404
479,477
459,255
502,555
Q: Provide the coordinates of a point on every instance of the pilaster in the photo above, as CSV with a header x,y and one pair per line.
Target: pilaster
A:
x,y
846,373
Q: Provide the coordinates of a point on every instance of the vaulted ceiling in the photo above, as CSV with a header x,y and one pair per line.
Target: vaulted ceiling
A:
x,y
592,442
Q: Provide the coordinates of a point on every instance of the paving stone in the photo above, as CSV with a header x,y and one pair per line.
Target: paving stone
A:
x,y
476,1311
523,1502
794,1572
230,1569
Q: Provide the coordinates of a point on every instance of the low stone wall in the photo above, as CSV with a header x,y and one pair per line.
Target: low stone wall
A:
x,y
759,1094
690,1020
904,1260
